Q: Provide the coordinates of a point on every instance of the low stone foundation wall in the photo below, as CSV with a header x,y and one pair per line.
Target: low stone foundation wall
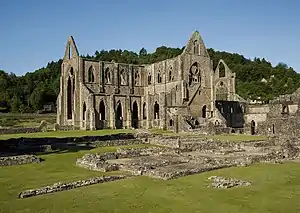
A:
x,y
18,160
225,183
19,130
57,187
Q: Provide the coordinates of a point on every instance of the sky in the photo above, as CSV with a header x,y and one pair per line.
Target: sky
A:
x,y
35,32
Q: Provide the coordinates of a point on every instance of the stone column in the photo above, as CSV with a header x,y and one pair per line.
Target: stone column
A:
x,y
111,105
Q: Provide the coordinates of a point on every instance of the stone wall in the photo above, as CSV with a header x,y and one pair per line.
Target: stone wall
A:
x,y
19,130
57,187
18,160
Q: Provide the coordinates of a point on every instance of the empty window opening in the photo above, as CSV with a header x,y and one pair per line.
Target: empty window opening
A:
x,y
221,70
91,77
156,110
158,78
69,98
252,127
149,79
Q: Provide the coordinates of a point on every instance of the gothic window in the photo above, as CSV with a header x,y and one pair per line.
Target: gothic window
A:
x,y
149,78
69,98
171,122
221,70
136,78
194,74
171,77
108,76
123,77
156,110
158,77
91,77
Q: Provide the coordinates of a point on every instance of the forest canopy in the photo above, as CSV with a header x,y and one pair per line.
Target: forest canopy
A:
x,y
255,78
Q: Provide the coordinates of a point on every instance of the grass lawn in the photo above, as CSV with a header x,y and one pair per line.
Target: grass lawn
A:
x,y
26,120
62,134
275,188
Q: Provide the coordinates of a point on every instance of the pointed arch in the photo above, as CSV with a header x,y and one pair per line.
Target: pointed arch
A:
x,y
91,77
71,49
194,74
119,116
135,115
83,111
156,110
221,70
69,98
102,110
196,47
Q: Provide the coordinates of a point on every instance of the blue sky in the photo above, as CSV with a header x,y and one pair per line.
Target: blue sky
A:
x,y
34,32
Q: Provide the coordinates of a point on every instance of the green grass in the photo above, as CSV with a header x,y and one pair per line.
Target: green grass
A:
x,y
275,188
63,134
26,120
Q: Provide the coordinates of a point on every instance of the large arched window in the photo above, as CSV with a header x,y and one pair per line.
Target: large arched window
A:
x,y
91,77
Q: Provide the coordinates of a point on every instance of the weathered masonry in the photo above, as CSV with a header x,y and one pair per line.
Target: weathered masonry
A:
x,y
177,94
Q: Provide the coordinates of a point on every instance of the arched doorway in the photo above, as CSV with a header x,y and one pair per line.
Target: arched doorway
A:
x,y
119,116
83,111
135,117
102,110
204,111
102,114
156,110
252,127
69,99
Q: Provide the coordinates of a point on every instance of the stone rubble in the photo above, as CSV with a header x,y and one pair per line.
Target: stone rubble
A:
x,y
225,183
57,187
19,160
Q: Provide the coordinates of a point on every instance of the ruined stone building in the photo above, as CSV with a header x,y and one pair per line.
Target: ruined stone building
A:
x,y
177,94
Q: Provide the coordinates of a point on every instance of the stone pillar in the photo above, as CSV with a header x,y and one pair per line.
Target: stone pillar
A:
x,y
111,105
92,119
127,110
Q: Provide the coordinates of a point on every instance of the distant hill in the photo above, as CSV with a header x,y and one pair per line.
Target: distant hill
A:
x,y
255,78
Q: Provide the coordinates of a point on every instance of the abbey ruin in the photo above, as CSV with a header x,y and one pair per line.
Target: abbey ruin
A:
x,y
176,94
179,94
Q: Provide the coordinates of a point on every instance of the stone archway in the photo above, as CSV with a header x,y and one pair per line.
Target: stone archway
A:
x,y
252,127
102,114
134,116
119,116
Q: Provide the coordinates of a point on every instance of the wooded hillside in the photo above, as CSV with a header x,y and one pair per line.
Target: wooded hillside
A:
x,y
30,92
